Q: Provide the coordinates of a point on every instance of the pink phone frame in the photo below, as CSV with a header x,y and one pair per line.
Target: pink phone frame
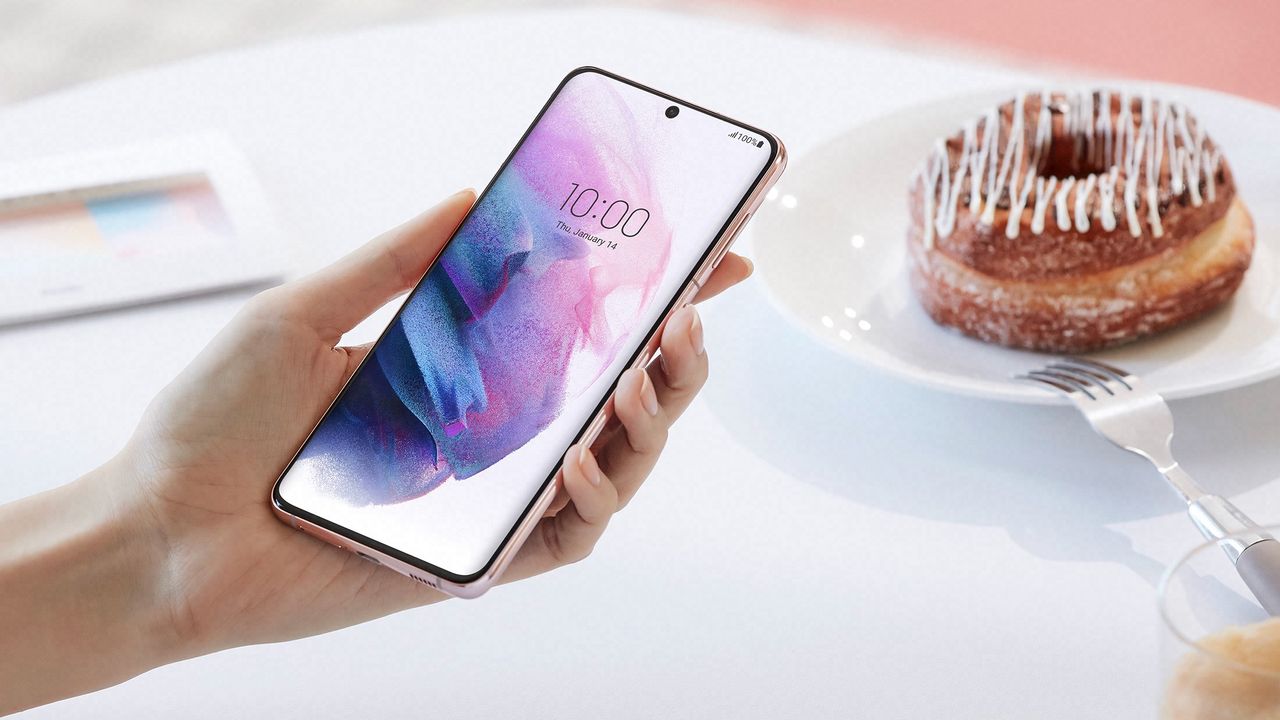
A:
x,y
537,510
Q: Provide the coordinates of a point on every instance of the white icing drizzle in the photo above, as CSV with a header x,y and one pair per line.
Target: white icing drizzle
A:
x,y
930,177
978,161
1104,124
1153,212
947,218
1124,132
1134,153
1175,155
1131,186
1131,209
1064,220
1082,197
1012,151
1044,191
1154,135
1107,198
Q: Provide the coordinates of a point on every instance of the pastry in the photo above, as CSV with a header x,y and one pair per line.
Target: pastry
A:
x,y
1069,222
1233,675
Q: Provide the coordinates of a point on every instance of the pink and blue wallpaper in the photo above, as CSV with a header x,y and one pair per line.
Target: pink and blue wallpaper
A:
x,y
526,307
499,358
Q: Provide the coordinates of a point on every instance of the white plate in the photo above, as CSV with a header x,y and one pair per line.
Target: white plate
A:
x,y
831,249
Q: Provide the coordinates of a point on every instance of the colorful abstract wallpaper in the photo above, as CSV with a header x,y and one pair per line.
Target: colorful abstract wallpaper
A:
x,y
547,288
479,360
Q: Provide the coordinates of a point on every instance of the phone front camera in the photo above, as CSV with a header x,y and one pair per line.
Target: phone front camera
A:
x,y
673,111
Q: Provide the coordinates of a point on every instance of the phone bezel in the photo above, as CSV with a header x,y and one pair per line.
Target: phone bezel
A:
x,y
333,528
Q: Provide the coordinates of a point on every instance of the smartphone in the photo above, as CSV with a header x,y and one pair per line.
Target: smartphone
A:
x,y
439,455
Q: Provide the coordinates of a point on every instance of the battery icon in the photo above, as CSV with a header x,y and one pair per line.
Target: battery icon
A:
x,y
760,144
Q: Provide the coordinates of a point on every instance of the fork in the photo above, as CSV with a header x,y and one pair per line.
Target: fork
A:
x,y
1133,417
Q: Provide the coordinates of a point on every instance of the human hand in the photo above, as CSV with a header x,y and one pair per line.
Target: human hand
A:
x,y
197,472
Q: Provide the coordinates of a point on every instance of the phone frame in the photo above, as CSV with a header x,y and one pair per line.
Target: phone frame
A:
x,y
476,584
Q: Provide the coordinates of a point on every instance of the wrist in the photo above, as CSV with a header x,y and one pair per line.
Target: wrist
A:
x,y
123,522
84,603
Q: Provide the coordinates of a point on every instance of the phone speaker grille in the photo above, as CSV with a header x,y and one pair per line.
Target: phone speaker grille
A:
x,y
425,581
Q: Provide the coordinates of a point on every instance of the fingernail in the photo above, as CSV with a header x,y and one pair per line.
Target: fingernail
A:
x,y
695,332
648,397
662,363
751,267
587,462
464,191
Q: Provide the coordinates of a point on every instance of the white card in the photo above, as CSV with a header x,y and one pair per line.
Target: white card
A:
x,y
134,224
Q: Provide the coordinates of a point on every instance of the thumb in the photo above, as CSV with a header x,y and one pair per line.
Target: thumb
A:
x,y
336,298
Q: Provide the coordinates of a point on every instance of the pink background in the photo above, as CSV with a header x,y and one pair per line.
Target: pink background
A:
x,y
1229,45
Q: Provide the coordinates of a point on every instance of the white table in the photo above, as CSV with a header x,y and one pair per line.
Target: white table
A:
x,y
818,541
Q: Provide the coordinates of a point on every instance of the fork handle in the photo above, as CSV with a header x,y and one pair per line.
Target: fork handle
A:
x,y
1255,553
1217,519
1259,567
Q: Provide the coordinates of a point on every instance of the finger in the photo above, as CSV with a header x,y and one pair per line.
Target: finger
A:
x,y
631,452
682,365
335,298
572,534
682,347
733,269
355,355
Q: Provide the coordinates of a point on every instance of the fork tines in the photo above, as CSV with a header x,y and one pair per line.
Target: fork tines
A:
x,y
1074,377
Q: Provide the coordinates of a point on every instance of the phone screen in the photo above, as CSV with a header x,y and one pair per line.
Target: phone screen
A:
x,y
460,415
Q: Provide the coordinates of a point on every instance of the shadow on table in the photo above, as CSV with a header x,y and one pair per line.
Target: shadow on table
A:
x,y
1039,472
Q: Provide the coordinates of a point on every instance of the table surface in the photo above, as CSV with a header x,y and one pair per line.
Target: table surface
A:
x,y
818,540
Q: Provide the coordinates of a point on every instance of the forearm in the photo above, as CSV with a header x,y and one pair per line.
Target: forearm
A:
x,y
79,606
